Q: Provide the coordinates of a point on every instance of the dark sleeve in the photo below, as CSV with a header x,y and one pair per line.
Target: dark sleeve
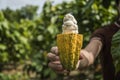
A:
x,y
106,33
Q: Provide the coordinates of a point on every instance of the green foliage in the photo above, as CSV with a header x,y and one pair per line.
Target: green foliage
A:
x,y
25,36
116,50
40,67
13,77
15,40
27,12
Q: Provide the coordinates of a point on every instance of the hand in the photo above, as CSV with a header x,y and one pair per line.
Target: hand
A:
x,y
54,63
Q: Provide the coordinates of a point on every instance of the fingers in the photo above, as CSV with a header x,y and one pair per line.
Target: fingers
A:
x,y
54,50
56,65
52,57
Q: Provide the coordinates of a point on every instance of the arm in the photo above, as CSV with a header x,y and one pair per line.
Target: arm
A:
x,y
99,38
90,52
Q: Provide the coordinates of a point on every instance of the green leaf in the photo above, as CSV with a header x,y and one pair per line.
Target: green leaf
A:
x,y
5,24
4,55
40,37
54,19
46,72
51,29
87,6
3,47
39,68
53,75
1,16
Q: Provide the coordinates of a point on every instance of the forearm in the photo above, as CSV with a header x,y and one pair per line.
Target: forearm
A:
x,y
90,52
94,47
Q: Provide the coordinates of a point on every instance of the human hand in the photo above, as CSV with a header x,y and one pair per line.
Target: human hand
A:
x,y
54,63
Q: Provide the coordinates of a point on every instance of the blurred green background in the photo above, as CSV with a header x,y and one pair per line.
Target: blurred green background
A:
x,y
26,37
